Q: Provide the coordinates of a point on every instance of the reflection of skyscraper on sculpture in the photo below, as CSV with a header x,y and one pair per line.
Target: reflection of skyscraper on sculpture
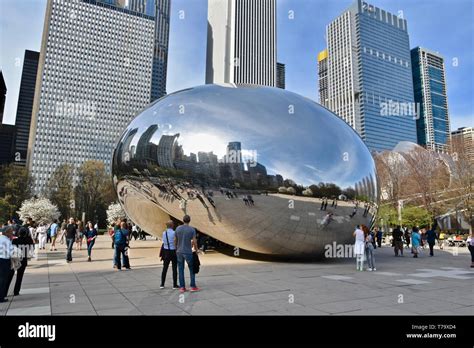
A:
x,y
233,159
208,164
168,150
126,152
258,173
146,150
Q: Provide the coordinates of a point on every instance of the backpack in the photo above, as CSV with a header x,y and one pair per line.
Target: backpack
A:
x,y
119,237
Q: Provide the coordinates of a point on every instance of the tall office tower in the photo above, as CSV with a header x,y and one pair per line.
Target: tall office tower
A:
x,y
323,77
462,139
281,76
25,105
94,75
241,42
369,75
7,143
3,95
429,84
160,10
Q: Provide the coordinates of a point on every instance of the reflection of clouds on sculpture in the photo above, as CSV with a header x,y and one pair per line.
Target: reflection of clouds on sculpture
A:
x,y
234,158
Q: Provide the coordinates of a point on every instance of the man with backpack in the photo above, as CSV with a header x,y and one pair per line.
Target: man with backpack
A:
x,y
121,248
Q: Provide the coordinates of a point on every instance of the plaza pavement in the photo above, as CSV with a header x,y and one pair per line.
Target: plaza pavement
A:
x,y
441,285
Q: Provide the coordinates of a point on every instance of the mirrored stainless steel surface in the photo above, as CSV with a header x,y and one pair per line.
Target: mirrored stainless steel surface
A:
x,y
245,163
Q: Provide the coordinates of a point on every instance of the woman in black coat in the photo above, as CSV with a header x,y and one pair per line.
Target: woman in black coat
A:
x,y
24,243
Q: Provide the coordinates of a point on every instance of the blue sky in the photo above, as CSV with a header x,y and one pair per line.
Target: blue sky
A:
x,y
446,26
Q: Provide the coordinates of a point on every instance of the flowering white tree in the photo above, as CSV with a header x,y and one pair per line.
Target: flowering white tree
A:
x,y
114,212
308,192
41,210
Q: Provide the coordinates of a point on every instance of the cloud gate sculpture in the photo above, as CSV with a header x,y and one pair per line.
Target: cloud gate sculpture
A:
x,y
250,165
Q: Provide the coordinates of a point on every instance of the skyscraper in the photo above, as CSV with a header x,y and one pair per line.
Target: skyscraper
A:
x,y
3,95
281,76
160,10
462,139
94,75
25,105
369,75
429,84
323,77
241,42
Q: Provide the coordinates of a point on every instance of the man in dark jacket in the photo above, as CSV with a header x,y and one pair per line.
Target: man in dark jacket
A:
x,y
71,230
431,239
397,235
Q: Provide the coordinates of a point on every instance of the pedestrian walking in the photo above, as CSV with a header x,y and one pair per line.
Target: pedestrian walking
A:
x,y
42,231
415,242
54,233
71,230
79,234
91,235
185,241
397,235
6,249
369,249
378,236
121,248
431,239
63,232
168,255
25,244
470,246
359,248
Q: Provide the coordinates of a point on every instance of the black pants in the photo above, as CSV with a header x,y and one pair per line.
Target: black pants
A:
x,y
5,266
69,243
379,242
471,249
431,244
19,277
170,256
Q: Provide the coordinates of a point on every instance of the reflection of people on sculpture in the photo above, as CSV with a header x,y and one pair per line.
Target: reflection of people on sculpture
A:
x,y
246,201
211,201
250,200
198,196
327,219
354,211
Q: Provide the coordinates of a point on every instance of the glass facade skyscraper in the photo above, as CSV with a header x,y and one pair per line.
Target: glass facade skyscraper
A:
x,y
25,105
369,75
429,83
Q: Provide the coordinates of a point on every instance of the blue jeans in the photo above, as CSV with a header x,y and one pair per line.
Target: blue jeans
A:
x,y
89,247
121,250
189,260
69,243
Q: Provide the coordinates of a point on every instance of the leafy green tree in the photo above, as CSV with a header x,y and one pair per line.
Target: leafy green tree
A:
x,y
5,211
94,191
15,186
416,216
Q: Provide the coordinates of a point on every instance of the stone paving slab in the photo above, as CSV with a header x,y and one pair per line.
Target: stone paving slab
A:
x,y
443,284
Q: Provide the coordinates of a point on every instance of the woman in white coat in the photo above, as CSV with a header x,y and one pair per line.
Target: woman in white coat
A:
x,y
42,231
359,248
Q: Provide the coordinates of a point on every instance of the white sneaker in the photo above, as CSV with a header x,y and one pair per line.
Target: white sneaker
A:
x,y
369,269
374,269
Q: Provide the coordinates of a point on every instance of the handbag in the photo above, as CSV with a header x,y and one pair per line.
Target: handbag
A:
x,y
196,263
163,246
